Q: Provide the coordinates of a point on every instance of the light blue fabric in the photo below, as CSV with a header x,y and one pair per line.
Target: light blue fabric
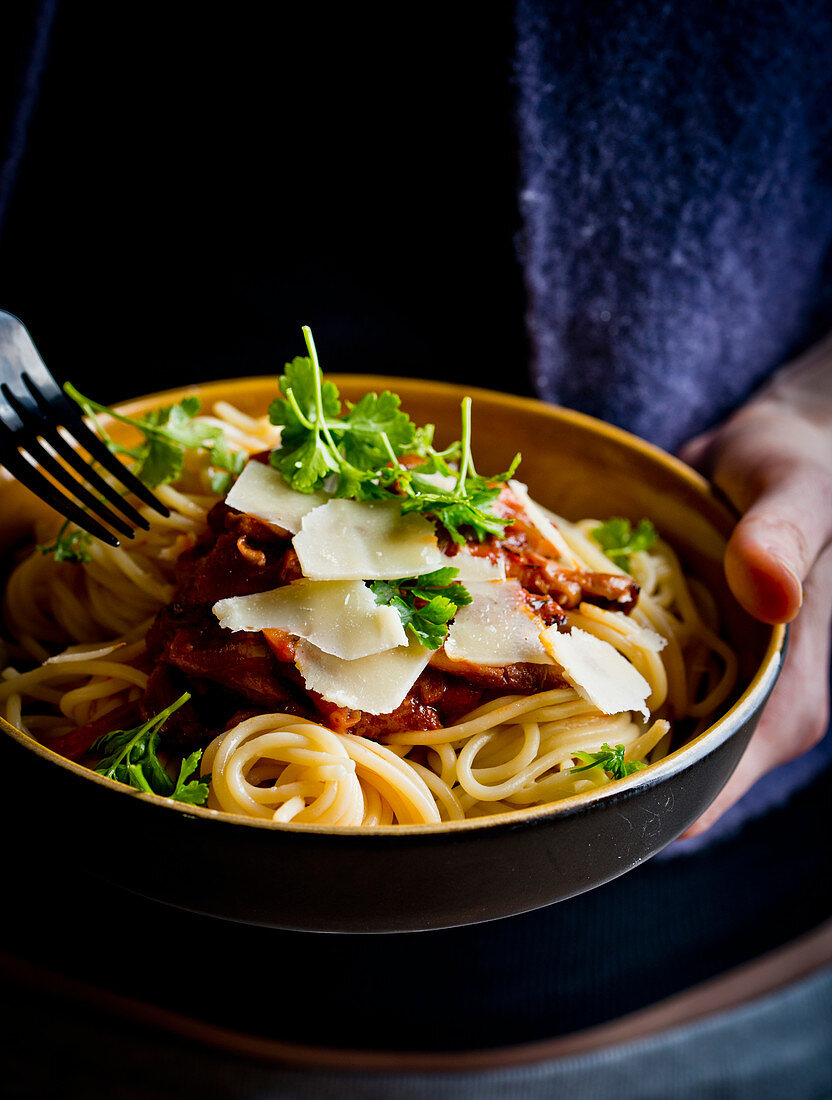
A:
x,y
778,1047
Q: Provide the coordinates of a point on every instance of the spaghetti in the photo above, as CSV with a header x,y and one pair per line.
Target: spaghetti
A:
x,y
84,626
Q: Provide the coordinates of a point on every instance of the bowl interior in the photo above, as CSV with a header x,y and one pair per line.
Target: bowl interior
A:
x,y
572,464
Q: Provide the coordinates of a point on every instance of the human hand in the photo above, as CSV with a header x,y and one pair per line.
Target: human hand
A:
x,y
773,459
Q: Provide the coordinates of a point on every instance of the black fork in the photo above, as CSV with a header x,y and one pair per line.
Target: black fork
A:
x,y
33,411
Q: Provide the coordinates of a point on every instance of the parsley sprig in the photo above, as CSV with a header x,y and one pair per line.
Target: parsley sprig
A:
x,y
618,539
168,433
426,604
130,756
611,760
71,544
361,451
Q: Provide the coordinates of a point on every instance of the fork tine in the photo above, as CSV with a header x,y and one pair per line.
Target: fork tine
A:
x,y
100,452
20,360
71,456
77,488
33,479
35,419
71,417
105,457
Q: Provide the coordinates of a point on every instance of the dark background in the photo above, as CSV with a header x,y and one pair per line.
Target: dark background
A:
x,y
191,190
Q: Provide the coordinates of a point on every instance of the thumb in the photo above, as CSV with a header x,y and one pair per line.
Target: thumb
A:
x,y
777,541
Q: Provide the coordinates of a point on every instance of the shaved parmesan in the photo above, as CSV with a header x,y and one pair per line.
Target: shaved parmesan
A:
x,y
543,525
377,684
341,618
439,481
496,628
84,652
597,671
261,491
474,568
366,540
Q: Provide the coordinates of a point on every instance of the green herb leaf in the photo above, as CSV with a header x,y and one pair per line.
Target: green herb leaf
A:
x,y
317,441
305,466
159,461
437,581
168,433
298,408
130,757
71,544
611,760
619,540
468,506
376,431
307,455
227,463
458,514
194,791
363,448
426,604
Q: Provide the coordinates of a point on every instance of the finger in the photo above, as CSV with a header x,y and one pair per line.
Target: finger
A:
x,y
777,541
796,715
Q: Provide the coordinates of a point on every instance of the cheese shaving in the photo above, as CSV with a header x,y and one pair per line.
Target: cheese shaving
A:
x,y
366,540
339,617
473,568
84,652
377,684
497,628
261,491
597,671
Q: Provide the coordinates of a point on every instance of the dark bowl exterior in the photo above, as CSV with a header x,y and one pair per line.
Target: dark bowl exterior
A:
x,y
406,880
415,878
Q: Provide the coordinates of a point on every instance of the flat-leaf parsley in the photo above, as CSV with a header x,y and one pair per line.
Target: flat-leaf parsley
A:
x,y
130,756
611,760
168,433
71,544
425,604
618,539
361,451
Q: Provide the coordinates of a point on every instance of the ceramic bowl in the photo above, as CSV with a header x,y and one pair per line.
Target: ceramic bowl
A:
x,y
424,877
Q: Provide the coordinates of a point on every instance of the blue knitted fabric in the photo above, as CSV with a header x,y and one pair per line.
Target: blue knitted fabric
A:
x,y
676,169
677,196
